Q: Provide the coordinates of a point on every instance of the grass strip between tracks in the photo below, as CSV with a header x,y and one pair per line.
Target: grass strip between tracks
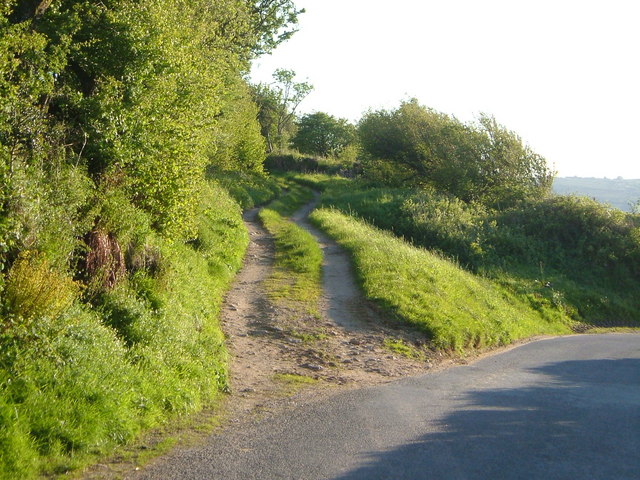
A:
x,y
298,260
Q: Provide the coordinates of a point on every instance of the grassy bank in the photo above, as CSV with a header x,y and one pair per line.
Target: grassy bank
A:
x,y
458,310
568,254
81,376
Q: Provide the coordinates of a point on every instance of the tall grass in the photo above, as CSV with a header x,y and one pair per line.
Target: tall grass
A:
x,y
458,310
78,378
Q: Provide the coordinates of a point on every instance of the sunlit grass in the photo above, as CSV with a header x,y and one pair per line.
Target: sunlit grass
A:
x,y
457,309
298,259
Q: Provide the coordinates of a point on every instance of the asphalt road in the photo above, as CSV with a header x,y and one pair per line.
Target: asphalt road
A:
x,y
563,408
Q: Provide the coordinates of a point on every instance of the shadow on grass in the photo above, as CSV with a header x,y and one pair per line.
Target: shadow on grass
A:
x,y
583,422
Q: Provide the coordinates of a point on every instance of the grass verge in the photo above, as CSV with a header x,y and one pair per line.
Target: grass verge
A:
x,y
459,311
76,384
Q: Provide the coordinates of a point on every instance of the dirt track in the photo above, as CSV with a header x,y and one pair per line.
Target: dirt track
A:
x,y
346,346
271,345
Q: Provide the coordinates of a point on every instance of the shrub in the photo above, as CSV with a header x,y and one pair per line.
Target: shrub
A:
x,y
291,162
482,161
33,289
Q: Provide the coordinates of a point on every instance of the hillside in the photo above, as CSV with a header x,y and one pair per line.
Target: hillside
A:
x,y
131,146
617,192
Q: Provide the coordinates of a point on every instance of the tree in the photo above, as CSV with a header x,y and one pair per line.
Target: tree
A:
x,y
274,22
135,96
277,103
481,161
322,134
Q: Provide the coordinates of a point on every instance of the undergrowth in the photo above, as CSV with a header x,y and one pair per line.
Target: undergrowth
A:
x,y
89,369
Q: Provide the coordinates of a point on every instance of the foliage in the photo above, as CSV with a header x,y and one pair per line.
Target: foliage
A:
x,y
79,380
291,162
322,134
484,161
147,94
274,21
239,145
277,103
248,189
33,290
110,113
458,310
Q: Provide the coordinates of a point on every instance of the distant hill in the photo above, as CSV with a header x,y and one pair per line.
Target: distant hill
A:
x,y
617,192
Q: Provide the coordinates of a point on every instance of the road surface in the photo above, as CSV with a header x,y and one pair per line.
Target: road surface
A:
x,y
562,408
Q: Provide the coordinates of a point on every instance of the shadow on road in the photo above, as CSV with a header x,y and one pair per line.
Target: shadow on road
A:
x,y
581,422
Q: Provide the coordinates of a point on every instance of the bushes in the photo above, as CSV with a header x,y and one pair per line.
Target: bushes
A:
x,y
291,162
583,229
482,161
33,289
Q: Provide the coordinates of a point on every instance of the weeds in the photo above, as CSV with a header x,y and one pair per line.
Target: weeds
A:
x,y
293,382
33,289
77,380
400,347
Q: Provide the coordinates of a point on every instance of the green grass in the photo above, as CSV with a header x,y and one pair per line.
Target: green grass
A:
x,y
293,382
458,310
298,259
77,384
562,254
400,347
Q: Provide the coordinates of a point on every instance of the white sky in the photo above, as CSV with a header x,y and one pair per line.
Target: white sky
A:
x,y
563,74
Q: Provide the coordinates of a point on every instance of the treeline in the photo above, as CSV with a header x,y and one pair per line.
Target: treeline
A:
x,y
115,247
417,146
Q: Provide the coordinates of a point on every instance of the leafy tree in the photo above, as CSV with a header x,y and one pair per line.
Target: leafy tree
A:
x,y
148,93
481,161
322,134
277,103
274,22
238,143
509,169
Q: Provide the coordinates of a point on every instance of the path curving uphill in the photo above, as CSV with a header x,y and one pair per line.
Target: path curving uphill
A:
x,y
555,408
